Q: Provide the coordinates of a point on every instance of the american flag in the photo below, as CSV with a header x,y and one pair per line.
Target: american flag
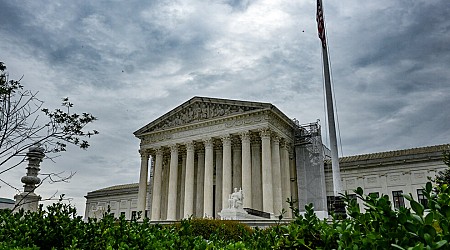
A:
x,y
321,24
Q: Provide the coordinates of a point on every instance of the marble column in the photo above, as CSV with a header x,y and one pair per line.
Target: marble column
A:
x,y
208,197
266,171
189,181
226,170
237,165
219,176
143,179
257,197
156,193
182,180
276,176
200,183
285,178
246,170
173,177
165,186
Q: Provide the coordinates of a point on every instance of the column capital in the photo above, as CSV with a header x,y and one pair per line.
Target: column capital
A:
x,y
174,148
265,133
275,138
190,145
285,144
226,139
209,142
159,151
245,136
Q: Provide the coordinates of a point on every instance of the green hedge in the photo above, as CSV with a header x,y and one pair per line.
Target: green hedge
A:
x,y
379,227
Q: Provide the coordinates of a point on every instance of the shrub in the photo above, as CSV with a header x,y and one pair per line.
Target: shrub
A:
x,y
224,230
379,227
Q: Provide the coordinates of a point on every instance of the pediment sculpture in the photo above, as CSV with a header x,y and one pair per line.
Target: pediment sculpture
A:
x,y
198,112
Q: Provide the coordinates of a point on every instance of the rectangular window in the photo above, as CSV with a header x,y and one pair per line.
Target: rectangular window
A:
x,y
133,215
398,199
374,195
336,205
421,198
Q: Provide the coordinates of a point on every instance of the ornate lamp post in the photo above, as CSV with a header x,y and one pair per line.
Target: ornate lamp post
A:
x,y
28,200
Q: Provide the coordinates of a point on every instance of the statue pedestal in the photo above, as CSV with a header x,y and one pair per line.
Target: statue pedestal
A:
x,y
236,214
235,211
27,201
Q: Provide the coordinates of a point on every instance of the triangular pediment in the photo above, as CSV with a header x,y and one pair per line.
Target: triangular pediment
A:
x,y
200,109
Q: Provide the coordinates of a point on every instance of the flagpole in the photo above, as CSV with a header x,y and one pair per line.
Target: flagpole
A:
x,y
329,98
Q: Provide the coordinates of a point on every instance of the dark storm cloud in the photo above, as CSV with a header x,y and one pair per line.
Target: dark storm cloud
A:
x,y
421,33
389,70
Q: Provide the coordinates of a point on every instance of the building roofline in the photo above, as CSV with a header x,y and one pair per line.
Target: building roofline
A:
x,y
396,153
262,105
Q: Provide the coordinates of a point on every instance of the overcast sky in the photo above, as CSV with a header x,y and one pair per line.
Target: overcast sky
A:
x,y
129,62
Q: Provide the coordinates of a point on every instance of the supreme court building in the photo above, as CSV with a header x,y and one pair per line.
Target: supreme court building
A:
x,y
194,156
203,149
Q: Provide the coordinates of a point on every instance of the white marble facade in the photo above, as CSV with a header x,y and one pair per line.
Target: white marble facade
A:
x,y
120,200
205,147
196,154
389,173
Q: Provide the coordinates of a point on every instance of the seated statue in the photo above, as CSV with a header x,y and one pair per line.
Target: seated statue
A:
x,y
236,199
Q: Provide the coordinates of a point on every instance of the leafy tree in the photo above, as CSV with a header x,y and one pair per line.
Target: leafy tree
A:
x,y
24,122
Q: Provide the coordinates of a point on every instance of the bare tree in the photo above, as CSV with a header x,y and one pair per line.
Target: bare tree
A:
x,y
24,122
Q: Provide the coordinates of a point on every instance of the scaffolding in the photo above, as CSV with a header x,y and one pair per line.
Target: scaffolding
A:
x,y
305,133
309,156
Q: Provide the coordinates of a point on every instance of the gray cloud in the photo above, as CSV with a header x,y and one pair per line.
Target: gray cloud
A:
x,y
130,62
